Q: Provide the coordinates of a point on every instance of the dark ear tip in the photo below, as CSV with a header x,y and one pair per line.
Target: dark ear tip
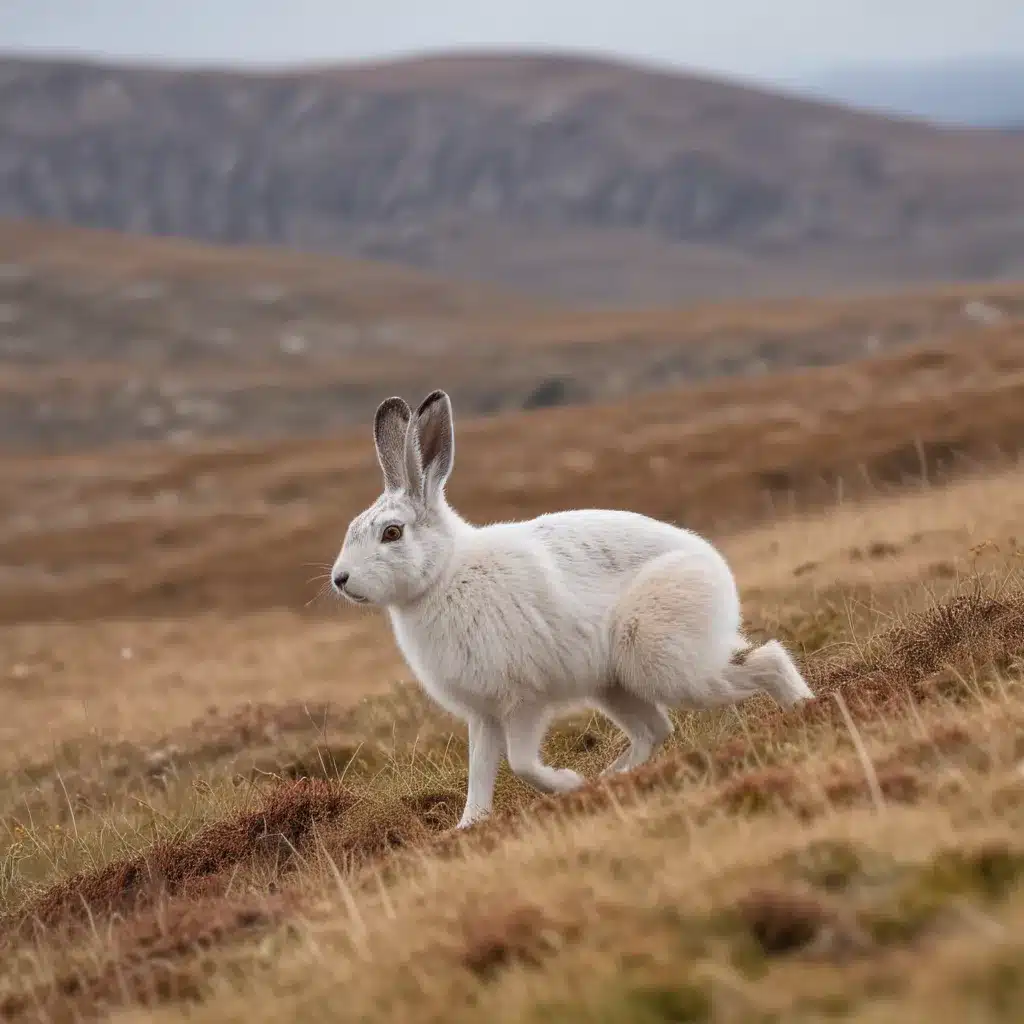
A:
x,y
432,399
390,406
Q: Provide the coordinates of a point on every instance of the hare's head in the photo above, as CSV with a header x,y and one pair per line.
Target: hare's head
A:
x,y
399,547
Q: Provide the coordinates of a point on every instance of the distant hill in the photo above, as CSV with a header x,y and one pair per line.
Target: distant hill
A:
x,y
984,92
107,338
577,179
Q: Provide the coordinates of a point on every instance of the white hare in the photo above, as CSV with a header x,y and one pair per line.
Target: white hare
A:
x,y
506,625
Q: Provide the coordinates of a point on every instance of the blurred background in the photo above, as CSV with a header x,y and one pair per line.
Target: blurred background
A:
x,y
627,232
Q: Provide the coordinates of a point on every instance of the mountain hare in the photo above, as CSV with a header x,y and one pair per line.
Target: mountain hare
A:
x,y
508,624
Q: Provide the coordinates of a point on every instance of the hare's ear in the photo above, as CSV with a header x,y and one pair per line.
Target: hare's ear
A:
x,y
389,429
430,447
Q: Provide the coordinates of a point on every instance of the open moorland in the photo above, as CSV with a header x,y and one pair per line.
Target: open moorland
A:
x,y
107,339
222,798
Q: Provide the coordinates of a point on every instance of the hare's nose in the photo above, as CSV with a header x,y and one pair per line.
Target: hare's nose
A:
x,y
340,579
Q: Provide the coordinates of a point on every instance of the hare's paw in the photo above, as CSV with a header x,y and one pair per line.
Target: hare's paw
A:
x,y
548,780
472,816
564,780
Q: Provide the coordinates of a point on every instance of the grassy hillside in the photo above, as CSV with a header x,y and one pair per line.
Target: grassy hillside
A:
x,y
284,853
218,805
222,797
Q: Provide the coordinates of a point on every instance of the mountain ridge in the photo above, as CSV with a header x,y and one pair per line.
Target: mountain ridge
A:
x,y
575,178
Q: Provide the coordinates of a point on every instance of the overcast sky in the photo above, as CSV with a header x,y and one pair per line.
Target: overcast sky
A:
x,y
771,38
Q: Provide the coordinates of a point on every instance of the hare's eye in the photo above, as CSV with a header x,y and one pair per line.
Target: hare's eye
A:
x,y
391,534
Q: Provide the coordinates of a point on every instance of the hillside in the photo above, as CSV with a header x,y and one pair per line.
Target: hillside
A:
x,y
219,805
108,339
559,176
231,527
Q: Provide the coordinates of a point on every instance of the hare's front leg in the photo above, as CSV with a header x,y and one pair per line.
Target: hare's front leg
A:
x,y
524,731
486,748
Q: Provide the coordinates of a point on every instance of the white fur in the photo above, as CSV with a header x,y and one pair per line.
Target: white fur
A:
x,y
509,624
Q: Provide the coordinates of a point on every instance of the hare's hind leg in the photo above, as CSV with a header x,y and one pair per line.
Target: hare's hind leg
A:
x,y
524,731
646,725
673,632
771,669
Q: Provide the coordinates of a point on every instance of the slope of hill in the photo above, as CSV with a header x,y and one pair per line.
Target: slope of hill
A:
x,y
230,527
108,339
567,177
217,808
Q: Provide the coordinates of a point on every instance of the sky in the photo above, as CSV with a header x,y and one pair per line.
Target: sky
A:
x,y
767,39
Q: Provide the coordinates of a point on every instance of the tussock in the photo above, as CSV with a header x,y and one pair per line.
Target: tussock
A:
x,y
499,936
782,922
969,631
200,867
298,822
150,958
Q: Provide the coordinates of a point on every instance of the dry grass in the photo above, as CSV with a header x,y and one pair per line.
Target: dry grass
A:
x,y
291,858
218,804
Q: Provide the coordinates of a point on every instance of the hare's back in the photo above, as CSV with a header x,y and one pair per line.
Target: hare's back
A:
x,y
611,543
